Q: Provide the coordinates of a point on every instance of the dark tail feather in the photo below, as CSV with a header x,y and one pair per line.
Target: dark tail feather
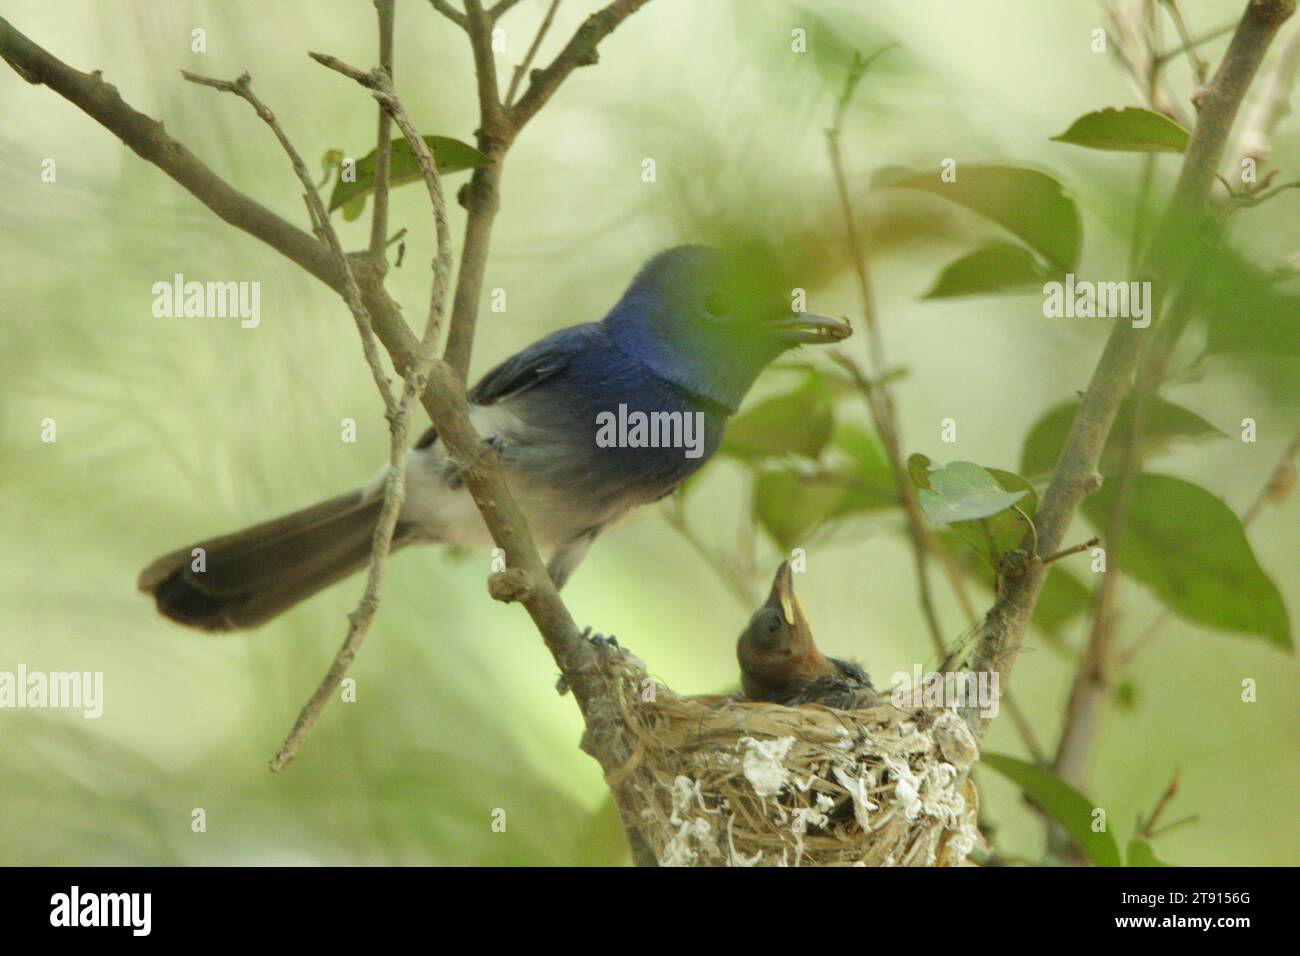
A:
x,y
255,574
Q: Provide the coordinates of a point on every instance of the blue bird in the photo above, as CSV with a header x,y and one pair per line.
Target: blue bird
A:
x,y
591,422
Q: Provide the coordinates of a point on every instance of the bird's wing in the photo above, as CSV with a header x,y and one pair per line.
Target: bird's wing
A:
x,y
852,671
526,368
535,363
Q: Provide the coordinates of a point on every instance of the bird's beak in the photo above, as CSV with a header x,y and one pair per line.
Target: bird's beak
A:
x,y
783,597
810,329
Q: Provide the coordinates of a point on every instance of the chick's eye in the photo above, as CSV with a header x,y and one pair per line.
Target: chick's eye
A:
x,y
773,623
717,305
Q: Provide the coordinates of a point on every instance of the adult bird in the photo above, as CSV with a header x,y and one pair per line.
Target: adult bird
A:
x,y
781,664
590,422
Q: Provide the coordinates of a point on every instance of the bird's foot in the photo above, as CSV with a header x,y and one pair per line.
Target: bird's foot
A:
x,y
601,643
454,475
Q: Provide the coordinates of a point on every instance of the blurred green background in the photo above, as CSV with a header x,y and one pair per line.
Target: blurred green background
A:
x,y
170,430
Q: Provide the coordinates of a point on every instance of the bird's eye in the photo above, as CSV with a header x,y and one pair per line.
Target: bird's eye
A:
x,y
773,623
717,305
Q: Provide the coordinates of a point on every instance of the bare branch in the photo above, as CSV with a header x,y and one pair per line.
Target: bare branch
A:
x,y
500,9
526,580
579,51
398,414
450,12
147,138
527,61
381,86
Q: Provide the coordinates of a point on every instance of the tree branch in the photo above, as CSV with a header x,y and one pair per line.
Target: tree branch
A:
x,y
451,13
398,413
579,51
498,127
1076,475
147,138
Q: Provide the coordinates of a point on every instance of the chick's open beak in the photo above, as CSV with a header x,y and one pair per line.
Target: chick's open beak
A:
x,y
782,596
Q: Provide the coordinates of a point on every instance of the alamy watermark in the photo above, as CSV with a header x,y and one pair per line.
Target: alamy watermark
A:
x,y
208,300
60,690
75,908
977,689
637,429
1102,300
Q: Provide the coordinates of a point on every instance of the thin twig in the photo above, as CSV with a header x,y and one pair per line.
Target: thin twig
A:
x,y
522,68
881,407
399,421
1204,38
498,128
383,141
501,8
416,378
1144,828
450,12
1200,68
242,88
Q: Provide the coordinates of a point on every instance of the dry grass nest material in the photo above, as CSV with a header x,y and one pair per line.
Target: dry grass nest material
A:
x,y
720,782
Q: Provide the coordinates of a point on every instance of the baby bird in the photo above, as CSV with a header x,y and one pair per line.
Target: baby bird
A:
x,y
779,662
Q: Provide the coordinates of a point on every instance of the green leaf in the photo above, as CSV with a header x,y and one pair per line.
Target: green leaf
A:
x,y
1140,854
1129,130
1064,804
998,267
976,503
799,423
1027,203
963,491
449,155
919,467
1189,548
1163,425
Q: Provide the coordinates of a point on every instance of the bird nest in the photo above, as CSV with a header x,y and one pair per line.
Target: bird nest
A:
x,y
714,781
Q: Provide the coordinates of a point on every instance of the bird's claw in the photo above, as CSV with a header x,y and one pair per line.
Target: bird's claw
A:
x,y
601,642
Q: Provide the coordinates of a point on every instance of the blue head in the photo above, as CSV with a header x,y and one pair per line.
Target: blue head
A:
x,y
710,321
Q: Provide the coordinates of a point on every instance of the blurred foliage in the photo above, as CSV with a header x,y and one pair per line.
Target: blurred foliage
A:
x,y
172,429
1060,801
